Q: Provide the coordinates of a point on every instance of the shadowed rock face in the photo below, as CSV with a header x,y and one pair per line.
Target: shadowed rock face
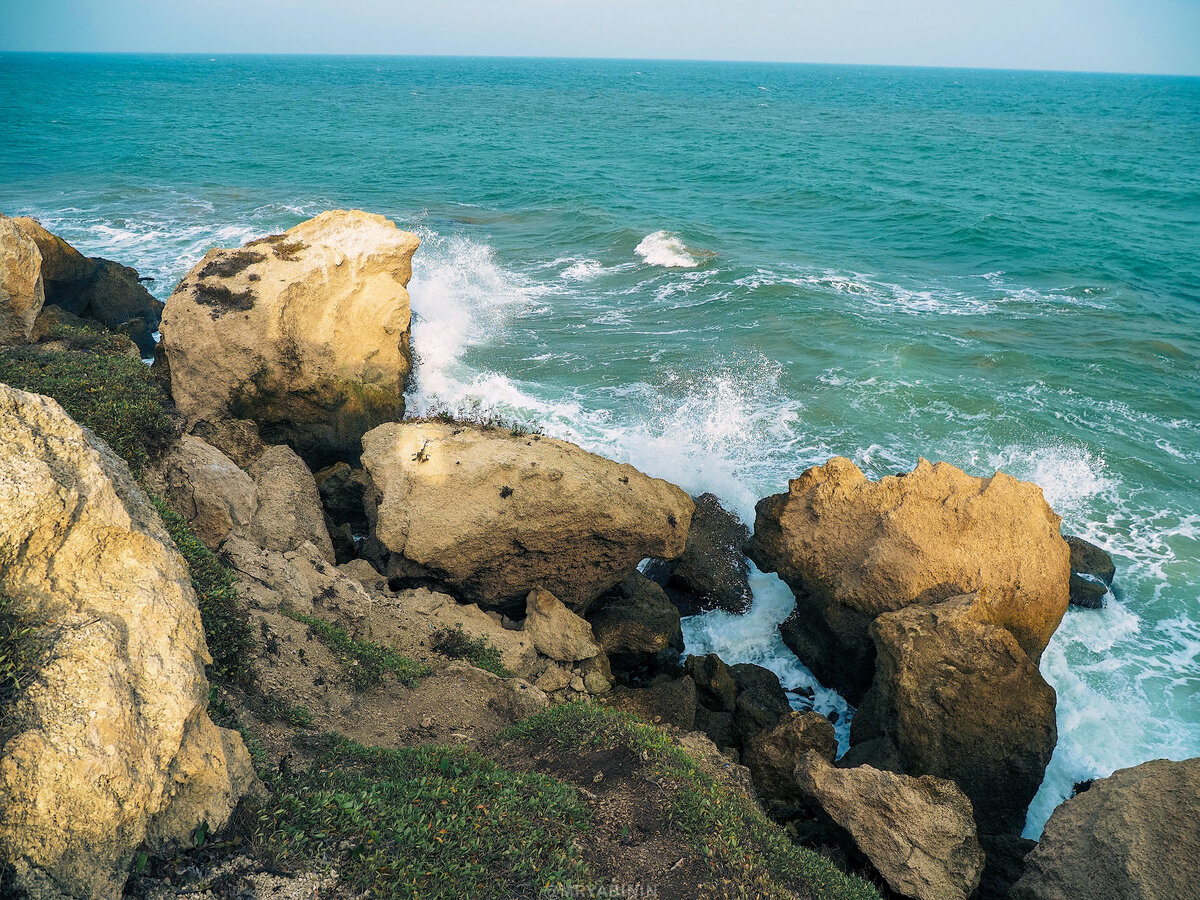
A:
x,y
955,696
305,333
917,833
1132,836
110,745
852,549
491,515
22,290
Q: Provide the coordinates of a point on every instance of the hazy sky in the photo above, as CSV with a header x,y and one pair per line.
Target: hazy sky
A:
x,y
1094,35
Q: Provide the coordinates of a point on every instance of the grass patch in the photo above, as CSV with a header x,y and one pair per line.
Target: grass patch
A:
x,y
22,646
735,837
293,714
424,822
226,622
366,663
478,651
104,389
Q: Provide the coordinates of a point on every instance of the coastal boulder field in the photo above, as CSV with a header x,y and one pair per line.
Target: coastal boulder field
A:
x,y
306,333
492,514
22,289
852,549
111,745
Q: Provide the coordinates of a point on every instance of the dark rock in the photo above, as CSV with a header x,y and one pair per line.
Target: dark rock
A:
x,y
139,331
761,701
718,726
672,702
958,698
342,489
1087,593
1132,836
772,756
635,623
713,571
1003,865
718,690
1088,559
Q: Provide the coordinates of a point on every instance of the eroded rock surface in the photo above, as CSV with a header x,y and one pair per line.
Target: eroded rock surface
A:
x,y
110,744
22,290
852,549
492,515
306,333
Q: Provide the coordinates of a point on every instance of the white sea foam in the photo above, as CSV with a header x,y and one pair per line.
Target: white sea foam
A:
x,y
662,248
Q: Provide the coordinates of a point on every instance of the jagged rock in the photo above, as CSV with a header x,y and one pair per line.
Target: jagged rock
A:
x,y
342,489
955,696
1088,559
1132,836
714,681
207,488
713,572
444,612
772,755
557,632
289,506
852,549
22,290
492,515
95,288
635,622
672,701
110,745
306,333
761,701
1087,593
917,833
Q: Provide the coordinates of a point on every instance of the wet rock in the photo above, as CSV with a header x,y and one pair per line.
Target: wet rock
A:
x,y
1088,559
491,515
852,549
1087,593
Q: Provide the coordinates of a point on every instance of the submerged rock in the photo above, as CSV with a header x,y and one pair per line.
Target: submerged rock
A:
x,y
1132,836
1086,592
22,290
956,696
852,549
917,833
110,744
95,288
1088,559
491,515
306,333
713,572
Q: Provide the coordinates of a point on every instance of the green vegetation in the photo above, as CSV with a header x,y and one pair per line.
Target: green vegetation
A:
x,y
366,663
21,646
425,822
478,651
733,834
100,386
226,621
293,713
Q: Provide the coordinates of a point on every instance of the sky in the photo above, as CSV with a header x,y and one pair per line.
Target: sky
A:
x,y
1149,36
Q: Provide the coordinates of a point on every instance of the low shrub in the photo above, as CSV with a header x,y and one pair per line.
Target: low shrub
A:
x,y
478,651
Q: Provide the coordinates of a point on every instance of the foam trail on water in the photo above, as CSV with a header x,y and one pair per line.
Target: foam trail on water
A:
x,y
665,249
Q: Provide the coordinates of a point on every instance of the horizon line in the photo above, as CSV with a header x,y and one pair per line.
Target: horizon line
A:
x,y
648,59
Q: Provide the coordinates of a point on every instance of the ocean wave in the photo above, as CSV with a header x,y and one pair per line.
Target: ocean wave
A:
x,y
662,248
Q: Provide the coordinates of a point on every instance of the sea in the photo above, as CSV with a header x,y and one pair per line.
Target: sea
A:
x,y
724,273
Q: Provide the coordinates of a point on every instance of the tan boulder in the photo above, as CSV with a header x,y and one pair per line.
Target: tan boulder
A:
x,y
493,515
955,696
289,506
1132,836
22,291
557,632
207,488
444,612
772,756
917,833
306,333
852,549
110,745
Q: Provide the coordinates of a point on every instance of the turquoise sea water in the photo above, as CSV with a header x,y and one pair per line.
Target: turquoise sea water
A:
x,y
725,273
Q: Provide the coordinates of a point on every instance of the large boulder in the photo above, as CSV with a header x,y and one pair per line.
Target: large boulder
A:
x,y
109,745
492,514
557,632
713,572
22,290
306,333
1132,836
761,700
635,622
852,549
772,756
956,696
917,833
289,505
95,288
